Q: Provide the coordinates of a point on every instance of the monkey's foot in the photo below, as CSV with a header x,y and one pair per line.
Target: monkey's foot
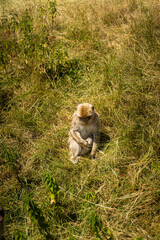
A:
x,y
94,156
75,160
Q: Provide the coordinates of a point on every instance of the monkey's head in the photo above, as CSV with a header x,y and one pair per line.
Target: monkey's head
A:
x,y
85,112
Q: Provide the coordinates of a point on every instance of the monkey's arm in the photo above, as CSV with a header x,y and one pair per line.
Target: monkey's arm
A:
x,y
77,137
96,138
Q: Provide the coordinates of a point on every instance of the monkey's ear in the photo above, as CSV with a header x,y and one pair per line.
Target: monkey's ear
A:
x,y
92,107
75,108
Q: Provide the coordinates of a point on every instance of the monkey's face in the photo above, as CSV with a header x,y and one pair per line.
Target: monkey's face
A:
x,y
85,120
85,113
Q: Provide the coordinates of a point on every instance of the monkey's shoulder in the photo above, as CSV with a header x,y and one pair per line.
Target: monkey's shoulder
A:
x,y
96,115
96,119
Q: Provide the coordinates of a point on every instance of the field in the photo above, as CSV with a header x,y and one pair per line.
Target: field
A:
x,y
53,56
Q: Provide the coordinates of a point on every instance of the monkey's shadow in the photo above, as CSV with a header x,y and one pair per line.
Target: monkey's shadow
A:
x,y
104,139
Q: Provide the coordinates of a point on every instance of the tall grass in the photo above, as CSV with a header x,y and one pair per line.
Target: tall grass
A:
x,y
55,55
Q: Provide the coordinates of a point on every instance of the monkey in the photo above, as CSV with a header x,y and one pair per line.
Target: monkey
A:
x,y
84,132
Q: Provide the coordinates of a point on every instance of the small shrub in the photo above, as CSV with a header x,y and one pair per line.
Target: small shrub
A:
x,y
53,188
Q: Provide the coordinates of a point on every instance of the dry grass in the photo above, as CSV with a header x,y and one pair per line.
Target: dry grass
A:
x,y
103,52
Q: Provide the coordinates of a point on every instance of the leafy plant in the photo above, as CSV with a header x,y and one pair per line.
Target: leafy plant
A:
x,y
26,24
10,155
13,25
18,235
53,188
52,9
36,215
107,233
97,228
95,224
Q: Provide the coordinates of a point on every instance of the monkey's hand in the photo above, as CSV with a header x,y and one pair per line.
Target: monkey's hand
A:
x,y
86,144
90,141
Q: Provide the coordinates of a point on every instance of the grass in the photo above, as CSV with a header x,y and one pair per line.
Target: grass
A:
x,y
55,55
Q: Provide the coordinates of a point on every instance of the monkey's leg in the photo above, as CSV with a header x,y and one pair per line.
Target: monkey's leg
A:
x,y
94,146
75,150
94,149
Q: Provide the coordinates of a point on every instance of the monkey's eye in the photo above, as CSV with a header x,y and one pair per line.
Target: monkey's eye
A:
x,y
86,118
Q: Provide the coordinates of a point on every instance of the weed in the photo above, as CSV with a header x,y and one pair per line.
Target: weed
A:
x,y
95,224
52,9
19,236
36,215
53,188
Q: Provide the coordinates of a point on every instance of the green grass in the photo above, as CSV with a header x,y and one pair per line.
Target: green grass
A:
x,y
53,56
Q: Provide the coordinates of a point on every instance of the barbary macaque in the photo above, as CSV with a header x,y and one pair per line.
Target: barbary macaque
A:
x,y
84,132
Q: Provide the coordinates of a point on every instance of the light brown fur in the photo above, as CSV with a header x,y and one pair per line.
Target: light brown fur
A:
x,y
84,132
84,110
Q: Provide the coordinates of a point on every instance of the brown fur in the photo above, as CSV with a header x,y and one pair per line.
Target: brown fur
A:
x,y
84,110
84,132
